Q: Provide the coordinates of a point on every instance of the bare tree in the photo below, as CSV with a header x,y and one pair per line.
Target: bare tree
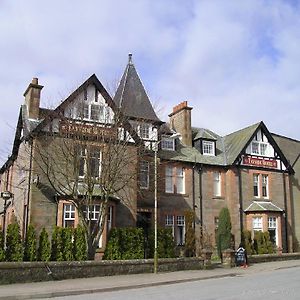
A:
x,y
89,164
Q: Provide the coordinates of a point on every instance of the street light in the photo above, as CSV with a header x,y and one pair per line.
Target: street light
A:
x,y
155,207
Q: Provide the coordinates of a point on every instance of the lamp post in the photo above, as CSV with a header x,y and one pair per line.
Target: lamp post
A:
x,y
6,196
155,208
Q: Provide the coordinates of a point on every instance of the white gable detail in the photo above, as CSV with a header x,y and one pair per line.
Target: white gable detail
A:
x,y
260,146
260,153
90,105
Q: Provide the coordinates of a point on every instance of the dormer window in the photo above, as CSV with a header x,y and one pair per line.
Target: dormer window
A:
x,y
208,148
167,143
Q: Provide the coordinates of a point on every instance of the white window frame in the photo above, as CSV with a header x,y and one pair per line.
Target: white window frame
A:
x,y
68,213
256,184
169,222
217,184
265,186
257,223
259,148
180,180
272,224
180,236
208,148
169,179
85,157
167,143
144,169
144,130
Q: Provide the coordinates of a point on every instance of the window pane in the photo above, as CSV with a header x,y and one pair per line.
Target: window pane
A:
x,y
265,186
86,111
180,180
255,148
95,112
144,174
208,148
167,143
255,185
144,131
257,223
217,184
169,180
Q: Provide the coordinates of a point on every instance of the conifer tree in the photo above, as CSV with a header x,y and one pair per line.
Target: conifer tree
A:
x,y
224,231
79,244
44,250
14,246
67,249
57,244
30,251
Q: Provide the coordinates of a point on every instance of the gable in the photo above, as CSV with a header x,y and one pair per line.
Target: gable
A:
x,y
90,105
261,151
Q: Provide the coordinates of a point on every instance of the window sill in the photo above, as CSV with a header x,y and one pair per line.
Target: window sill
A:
x,y
176,194
218,197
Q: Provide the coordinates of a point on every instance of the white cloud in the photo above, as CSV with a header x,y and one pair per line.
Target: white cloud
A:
x,y
237,62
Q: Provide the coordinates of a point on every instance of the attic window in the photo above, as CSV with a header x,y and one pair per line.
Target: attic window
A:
x,y
208,148
167,143
259,148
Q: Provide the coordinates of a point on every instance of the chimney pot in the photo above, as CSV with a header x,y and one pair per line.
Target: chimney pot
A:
x,y
35,80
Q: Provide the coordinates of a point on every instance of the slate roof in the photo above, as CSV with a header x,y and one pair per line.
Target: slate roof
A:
x,y
256,206
204,133
235,142
228,148
131,96
290,147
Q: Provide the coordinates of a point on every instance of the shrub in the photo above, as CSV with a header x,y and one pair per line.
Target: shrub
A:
x,y
2,251
67,243
113,247
247,241
125,243
190,239
57,244
30,244
44,249
14,247
165,243
224,231
79,244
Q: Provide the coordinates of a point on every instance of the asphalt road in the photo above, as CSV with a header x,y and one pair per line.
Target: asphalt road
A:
x,y
275,285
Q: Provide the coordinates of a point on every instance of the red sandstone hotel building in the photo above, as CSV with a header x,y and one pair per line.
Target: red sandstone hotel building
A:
x,y
198,170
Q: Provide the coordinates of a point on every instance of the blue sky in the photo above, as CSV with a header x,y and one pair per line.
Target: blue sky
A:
x,y
236,62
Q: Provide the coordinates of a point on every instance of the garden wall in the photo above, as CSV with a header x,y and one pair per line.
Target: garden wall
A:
x,y
18,272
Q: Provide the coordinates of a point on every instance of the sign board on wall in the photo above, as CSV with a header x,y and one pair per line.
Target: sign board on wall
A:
x,y
260,162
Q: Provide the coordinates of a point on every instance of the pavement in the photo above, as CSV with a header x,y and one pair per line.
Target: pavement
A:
x,y
81,286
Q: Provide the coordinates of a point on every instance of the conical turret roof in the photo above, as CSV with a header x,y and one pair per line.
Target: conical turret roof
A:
x,y
131,96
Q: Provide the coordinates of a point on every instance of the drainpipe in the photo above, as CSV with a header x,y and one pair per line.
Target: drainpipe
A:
x,y
194,204
28,190
241,200
200,196
286,213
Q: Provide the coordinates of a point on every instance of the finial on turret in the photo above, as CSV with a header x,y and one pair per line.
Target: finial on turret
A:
x,y
130,58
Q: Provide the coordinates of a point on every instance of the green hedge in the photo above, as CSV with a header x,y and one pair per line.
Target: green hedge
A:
x,y
125,243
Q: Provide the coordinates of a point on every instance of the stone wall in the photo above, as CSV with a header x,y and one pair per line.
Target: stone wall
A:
x,y
18,272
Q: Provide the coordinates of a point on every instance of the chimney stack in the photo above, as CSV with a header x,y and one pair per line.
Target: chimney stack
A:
x,y
32,98
180,121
